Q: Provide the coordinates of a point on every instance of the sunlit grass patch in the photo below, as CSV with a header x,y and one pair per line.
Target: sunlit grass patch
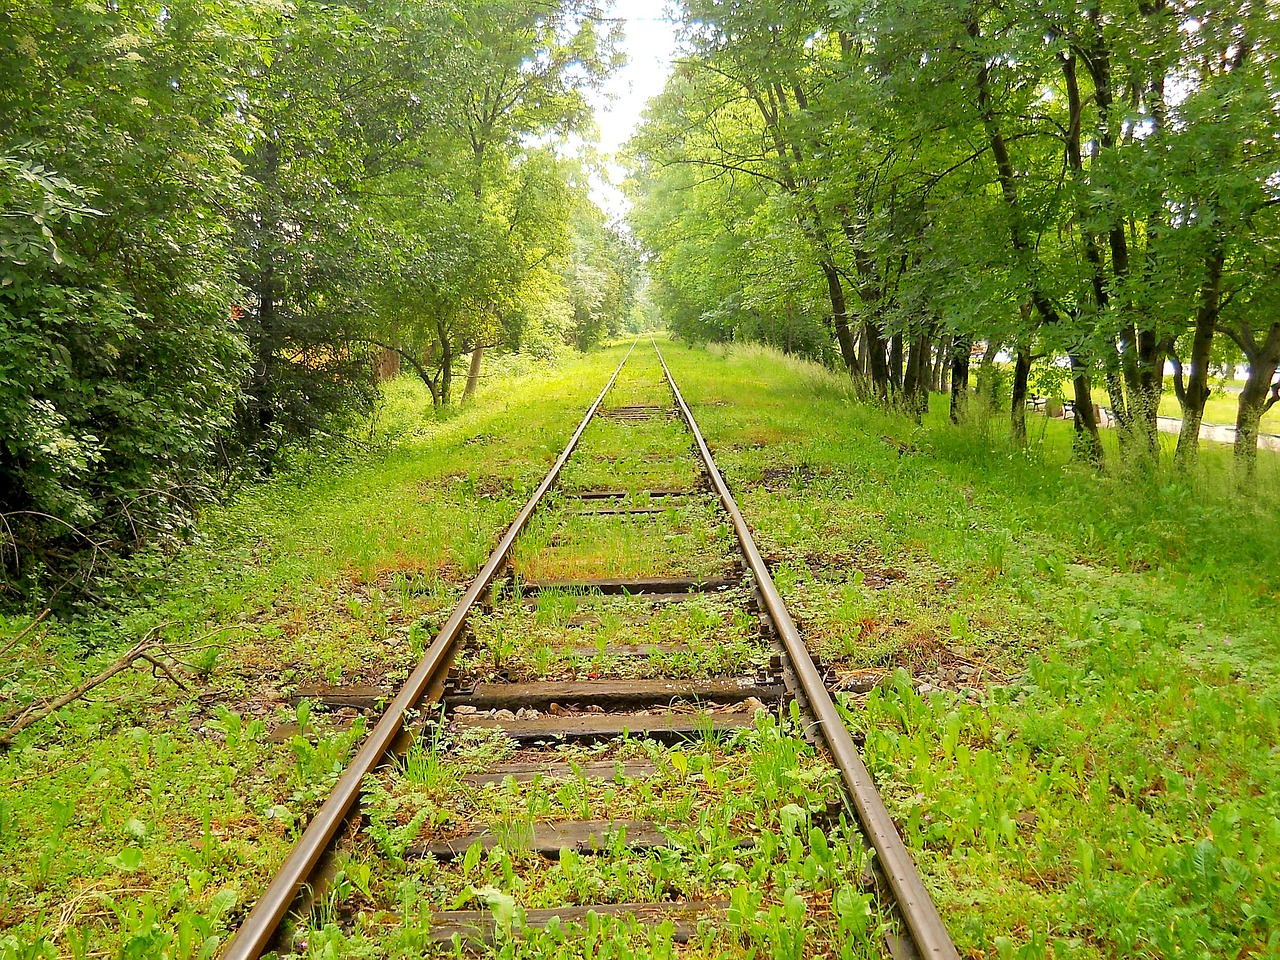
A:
x,y
1126,620
179,804
753,822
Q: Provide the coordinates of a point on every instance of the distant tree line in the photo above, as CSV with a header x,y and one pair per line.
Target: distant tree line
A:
x,y
1091,189
214,215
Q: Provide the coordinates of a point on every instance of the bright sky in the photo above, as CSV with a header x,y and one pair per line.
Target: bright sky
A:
x,y
650,46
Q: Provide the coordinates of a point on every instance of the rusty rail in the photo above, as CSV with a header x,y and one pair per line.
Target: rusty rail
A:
x,y
259,929
920,915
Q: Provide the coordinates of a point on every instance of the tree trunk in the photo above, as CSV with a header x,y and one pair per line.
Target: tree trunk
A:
x,y
915,380
1144,402
988,388
877,360
260,405
896,362
446,373
386,365
1018,399
942,370
1197,389
414,362
1254,402
840,315
1119,409
1088,444
960,347
473,374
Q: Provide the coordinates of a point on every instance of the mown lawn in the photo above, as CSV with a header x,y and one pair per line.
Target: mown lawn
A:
x,y
1221,407
1091,770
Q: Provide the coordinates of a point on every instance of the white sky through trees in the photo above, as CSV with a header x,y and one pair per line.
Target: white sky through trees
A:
x,y
650,46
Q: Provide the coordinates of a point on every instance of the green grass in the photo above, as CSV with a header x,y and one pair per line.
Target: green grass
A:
x,y
1221,407
1117,792
144,819
747,816
526,644
1103,782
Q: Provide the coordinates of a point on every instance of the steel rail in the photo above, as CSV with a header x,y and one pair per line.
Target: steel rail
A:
x,y
923,922
256,934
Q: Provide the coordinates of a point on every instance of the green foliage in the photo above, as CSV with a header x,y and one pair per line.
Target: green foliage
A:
x,y
212,214
118,362
890,178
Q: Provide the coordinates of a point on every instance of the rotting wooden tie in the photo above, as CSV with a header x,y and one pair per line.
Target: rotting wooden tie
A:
x,y
621,511
528,772
631,650
613,694
654,494
361,696
636,586
478,927
638,412
548,839
665,727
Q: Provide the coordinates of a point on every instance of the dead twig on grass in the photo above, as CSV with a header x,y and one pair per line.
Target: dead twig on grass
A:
x,y
163,660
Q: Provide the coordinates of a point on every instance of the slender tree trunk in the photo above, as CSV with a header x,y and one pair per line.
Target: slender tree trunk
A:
x,y
960,347
446,369
877,359
915,380
840,315
1196,393
988,388
261,409
1018,398
1115,392
896,362
473,374
1144,407
942,376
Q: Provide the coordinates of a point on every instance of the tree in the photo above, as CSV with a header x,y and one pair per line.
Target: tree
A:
x,y
485,191
119,359
1089,185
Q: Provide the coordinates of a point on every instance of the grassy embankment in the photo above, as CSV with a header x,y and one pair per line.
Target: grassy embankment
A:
x,y
1097,777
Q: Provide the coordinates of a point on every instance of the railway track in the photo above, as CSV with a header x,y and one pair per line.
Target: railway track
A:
x,y
617,737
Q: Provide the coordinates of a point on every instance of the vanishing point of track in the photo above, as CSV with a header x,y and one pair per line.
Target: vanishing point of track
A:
x,y
431,682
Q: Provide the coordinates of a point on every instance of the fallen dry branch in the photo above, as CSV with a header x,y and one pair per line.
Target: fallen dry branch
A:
x,y
22,634
150,650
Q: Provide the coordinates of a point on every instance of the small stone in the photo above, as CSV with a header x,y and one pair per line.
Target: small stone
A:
x,y
465,709
504,715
